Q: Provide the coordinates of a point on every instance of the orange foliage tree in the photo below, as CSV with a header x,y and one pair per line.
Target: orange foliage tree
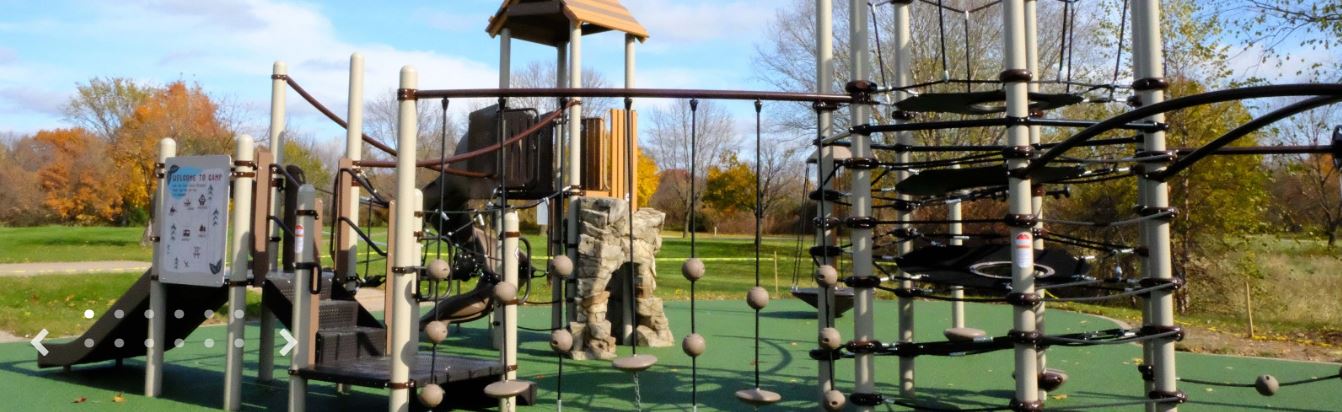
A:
x,y
78,181
183,113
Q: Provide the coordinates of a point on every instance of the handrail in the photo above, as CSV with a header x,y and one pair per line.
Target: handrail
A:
x,y
544,121
366,138
632,93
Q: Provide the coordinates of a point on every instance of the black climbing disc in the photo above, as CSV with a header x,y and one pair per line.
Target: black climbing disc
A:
x,y
939,182
988,266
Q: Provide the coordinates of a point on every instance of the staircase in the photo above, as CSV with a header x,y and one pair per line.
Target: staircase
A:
x,y
345,330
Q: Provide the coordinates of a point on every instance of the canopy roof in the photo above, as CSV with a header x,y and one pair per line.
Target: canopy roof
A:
x,y
547,21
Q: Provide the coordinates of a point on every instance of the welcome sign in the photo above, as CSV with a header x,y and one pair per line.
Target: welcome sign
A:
x,y
193,224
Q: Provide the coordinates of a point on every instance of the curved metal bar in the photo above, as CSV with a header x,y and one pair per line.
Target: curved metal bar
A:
x,y
1181,103
635,93
1262,121
430,163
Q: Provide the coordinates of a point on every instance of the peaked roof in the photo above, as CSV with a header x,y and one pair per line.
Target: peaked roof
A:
x,y
547,21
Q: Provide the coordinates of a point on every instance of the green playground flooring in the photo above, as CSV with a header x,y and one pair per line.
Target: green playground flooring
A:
x,y
193,377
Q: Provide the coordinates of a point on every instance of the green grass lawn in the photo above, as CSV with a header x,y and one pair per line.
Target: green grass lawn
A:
x,y
71,244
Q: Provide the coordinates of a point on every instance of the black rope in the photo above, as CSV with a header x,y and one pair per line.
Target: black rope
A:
x,y
1118,53
941,26
1250,385
629,185
876,30
759,221
694,323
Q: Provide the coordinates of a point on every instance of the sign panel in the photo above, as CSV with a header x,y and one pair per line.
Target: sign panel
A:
x,y
193,230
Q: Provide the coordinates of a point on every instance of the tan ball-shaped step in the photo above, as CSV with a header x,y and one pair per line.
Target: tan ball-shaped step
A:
x,y
507,389
758,397
963,334
1266,385
635,363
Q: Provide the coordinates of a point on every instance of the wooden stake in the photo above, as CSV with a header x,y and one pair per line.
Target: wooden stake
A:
x,y
1248,306
775,273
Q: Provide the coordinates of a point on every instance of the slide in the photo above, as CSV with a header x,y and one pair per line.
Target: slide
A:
x,y
122,330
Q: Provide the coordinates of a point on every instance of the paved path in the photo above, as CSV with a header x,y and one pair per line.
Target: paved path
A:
x,y
71,268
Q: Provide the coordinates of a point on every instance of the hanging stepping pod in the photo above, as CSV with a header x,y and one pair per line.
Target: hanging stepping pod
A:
x,y
830,338
507,389
634,363
963,334
505,292
758,397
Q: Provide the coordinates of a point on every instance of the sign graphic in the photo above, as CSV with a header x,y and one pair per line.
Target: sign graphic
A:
x,y
196,222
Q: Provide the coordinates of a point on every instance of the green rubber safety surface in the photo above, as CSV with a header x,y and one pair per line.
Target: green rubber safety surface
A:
x,y
193,377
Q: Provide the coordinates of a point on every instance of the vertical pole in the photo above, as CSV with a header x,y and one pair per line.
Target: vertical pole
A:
x,y
158,299
824,84
265,363
954,213
354,150
903,72
505,81
1036,192
627,293
864,368
237,279
1015,76
303,318
1149,85
403,283
509,355
1148,346
557,283
574,172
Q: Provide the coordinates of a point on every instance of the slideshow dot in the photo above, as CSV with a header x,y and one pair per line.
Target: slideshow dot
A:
x,y
148,343
178,314
209,343
209,314
148,313
119,314
88,343
237,343
118,343
177,343
239,314
88,313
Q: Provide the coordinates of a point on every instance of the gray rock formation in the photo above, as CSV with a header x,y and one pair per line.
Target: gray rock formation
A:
x,y
603,252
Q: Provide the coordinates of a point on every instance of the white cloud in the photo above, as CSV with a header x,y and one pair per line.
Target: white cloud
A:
x,y
27,99
678,23
8,56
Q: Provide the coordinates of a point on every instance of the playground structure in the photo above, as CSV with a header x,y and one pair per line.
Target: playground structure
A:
x,y
512,159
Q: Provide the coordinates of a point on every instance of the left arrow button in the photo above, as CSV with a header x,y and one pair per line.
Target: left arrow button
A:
x,y
37,342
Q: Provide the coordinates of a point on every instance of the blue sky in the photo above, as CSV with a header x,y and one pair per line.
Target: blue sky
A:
x,y
227,46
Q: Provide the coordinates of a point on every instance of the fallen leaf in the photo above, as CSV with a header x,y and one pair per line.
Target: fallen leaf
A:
x,y
80,399
1059,397
118,398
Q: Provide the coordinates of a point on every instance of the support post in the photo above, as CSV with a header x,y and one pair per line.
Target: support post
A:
x,y
556,209
1015,77
627,316
864,324
304,320
237,291
265,363
1150,69
509,355
353,152
158,299
402,328
505,81
1036,193
903,72
574,172
824,84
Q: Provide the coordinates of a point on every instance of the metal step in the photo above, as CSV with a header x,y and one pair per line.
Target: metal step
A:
x,y
337,314
335,345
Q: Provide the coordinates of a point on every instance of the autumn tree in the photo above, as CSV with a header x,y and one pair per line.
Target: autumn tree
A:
x,y
1305,185
78,181
21,201
184,113
730,186
104,103
669,143
648,179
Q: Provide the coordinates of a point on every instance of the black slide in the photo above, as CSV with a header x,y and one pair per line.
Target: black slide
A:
x,y
131,328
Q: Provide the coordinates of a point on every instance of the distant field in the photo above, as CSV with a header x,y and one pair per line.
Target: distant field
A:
x,y
71,244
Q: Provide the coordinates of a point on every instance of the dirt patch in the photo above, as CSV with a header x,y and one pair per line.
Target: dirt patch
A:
x,y
6,337
1301,347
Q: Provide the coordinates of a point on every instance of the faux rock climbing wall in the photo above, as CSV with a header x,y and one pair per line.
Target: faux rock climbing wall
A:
x,y
603,252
